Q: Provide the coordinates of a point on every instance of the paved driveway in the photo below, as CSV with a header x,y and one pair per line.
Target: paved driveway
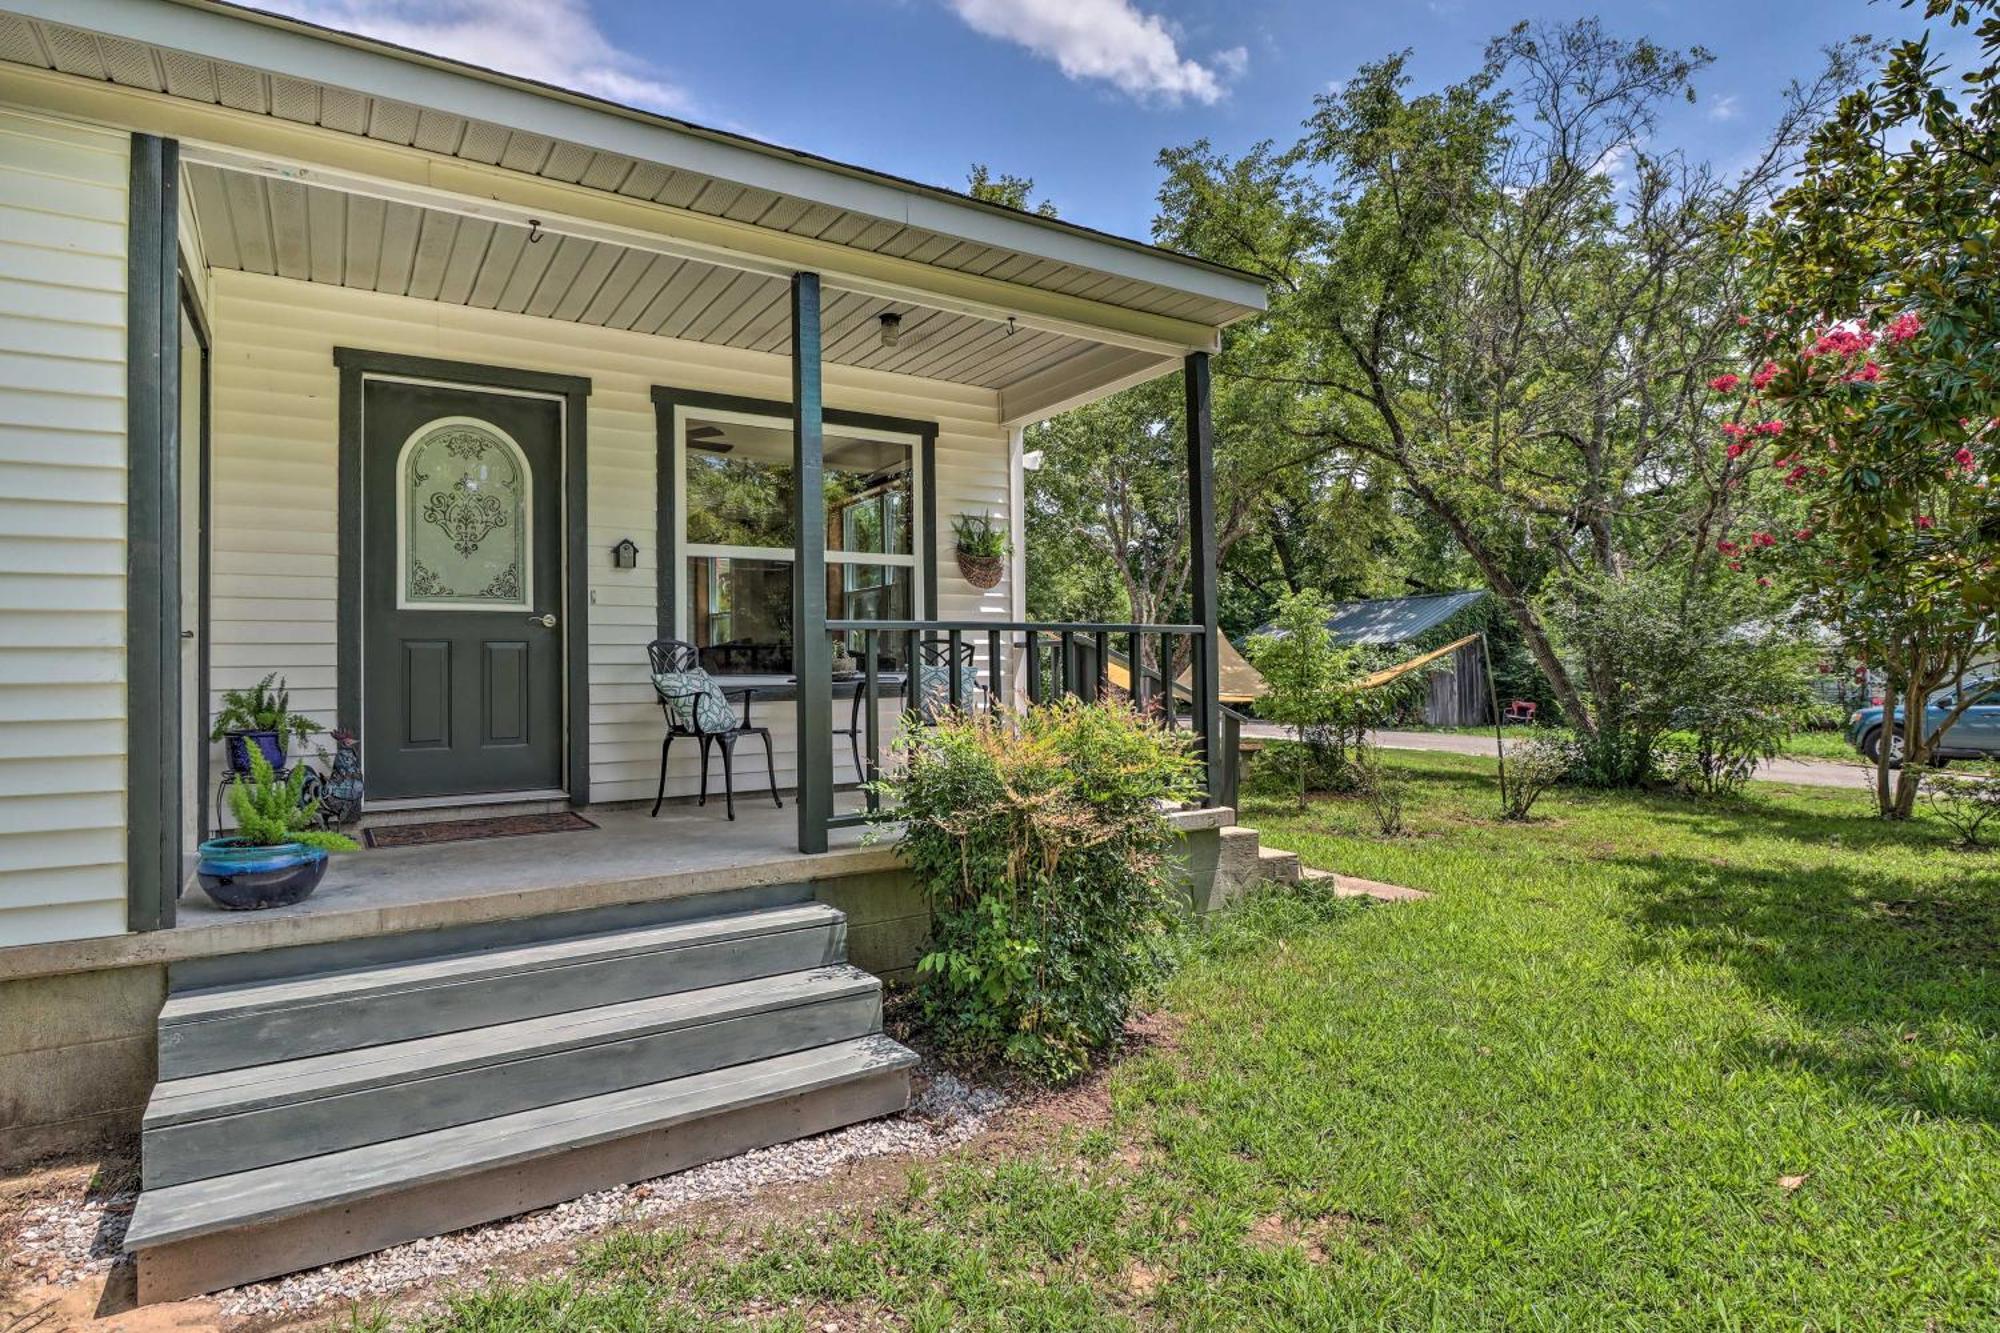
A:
x,y
1811,772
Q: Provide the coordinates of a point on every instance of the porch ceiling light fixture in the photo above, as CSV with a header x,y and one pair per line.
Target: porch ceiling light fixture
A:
x,y
892,328
625,555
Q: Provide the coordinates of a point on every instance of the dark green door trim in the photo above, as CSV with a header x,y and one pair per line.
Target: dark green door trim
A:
x,y
669,402
356,365
153,848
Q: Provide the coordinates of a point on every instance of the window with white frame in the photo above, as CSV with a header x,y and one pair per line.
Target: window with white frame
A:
x,y
738,541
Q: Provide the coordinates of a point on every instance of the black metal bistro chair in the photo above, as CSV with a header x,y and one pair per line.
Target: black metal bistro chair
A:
x,y
696,705
930,692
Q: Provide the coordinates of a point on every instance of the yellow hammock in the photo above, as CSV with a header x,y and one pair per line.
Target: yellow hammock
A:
x,y
1240,682
1387,674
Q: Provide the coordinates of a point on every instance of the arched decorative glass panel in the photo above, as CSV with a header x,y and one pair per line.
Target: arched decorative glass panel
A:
x,y
466,519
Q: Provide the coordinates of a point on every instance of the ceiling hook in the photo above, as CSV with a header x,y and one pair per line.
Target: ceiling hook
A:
x,y
1010,326
534,231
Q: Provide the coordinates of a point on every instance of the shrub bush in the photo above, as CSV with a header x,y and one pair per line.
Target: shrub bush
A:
x,y
1044,849
1965,801
1536,765
1383,787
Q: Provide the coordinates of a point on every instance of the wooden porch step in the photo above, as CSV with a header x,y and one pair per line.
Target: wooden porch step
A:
x,y
225,1230
234,1120
232,1026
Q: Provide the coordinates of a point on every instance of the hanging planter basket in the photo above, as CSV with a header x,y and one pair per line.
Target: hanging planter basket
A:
x,y
982,571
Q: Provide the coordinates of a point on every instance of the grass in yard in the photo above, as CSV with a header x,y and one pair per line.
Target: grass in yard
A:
x,y
1799,745
1640,1063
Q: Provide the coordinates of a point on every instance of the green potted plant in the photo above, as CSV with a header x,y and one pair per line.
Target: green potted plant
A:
x,y
982,549
260,718
277,856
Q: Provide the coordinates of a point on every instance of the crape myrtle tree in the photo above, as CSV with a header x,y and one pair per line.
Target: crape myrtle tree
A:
x,y
1506,299
1866,412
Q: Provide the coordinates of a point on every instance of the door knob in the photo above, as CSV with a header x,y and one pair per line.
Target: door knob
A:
x,y
546,621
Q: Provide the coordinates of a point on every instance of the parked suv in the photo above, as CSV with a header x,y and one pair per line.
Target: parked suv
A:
x,y
1976,734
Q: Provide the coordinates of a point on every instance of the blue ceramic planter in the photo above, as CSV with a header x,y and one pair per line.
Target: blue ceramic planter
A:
x,y
241,876
236,750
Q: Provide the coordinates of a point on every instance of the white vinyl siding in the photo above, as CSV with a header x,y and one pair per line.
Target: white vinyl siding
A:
x,y
62,529
274,437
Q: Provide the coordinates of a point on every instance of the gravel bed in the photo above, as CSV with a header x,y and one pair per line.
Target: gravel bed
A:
x,y
63,1241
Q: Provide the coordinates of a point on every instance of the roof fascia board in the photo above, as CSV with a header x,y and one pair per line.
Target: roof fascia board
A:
x,y
272,44
318,155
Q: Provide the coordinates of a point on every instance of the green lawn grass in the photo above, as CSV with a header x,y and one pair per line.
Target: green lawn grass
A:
x,y
1798,745
1639,1064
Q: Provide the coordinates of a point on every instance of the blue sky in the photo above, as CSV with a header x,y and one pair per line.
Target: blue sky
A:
x,y
1078,94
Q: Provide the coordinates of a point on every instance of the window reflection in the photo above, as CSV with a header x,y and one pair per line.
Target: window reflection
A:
x,y
740,611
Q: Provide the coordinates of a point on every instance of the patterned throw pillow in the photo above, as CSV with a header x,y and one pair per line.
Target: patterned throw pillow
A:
x,y
695,702
934,688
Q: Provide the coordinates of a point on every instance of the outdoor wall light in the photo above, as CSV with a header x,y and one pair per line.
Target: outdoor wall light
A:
x,y
625,555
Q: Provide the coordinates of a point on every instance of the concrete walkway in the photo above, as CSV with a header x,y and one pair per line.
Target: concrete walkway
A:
x,y
1809,772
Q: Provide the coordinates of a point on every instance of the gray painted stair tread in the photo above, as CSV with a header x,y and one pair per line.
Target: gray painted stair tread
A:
x,y
268,1193
252,997
255,1087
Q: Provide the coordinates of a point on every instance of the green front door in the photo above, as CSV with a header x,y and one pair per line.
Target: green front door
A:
x,y
462,687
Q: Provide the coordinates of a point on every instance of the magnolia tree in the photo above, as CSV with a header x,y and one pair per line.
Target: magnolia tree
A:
x,y
1865,431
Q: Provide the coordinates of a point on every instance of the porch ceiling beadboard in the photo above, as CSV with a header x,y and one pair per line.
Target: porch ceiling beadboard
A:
x,y
273,523
62,529
259,224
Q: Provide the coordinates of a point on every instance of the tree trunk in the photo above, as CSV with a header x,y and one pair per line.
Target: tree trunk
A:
x,y
1885,802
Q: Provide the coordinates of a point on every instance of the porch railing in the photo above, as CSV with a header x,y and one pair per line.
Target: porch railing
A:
x,y
1054,658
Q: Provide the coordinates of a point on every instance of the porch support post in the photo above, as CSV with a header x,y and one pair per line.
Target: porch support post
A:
x,y
1201,555
153,839
812,658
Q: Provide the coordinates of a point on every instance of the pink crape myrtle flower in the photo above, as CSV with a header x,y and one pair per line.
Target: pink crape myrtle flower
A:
x,y
1765,374
1842,340
1772,427
1724,383
1925,521
1727,547
1904,327
1964,459
1736,450
1868,374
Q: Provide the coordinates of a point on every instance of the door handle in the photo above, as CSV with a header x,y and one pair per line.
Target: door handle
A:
x,y
546,620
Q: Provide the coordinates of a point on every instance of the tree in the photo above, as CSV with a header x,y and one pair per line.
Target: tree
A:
x,y
1877,378
1312,682
1506,298
1010,191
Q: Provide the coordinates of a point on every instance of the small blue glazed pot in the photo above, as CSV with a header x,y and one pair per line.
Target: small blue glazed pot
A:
x,y
236,749
241,876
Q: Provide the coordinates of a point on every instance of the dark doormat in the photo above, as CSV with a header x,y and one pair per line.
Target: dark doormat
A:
x,y
463,830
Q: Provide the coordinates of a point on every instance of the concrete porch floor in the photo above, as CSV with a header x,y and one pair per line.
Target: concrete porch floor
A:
x,y
628,858
687,849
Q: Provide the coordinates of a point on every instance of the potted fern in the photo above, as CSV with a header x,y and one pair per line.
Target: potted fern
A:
x,y
277,856
982,549
260,718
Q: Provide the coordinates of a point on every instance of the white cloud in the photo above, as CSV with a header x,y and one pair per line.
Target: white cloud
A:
x,y
554,41
1613,161
1725,108
1106,39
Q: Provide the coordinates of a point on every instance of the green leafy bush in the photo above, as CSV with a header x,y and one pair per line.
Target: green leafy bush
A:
x,y
1965,801
1312,691
1537,764
1043,847
272,811
1383,786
